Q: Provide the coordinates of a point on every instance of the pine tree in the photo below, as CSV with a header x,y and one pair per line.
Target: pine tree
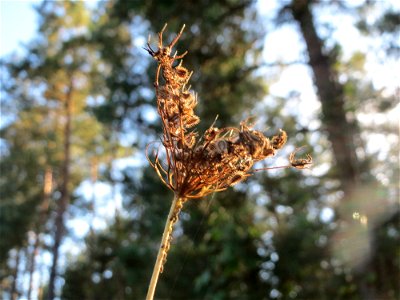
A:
x,y
325,259
49,92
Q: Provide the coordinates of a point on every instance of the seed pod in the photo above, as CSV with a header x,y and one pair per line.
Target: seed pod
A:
x,y
238,177
171,108
181,74
255,142
188,102
190,120
211,133
190,139
218,147
279,140
300,163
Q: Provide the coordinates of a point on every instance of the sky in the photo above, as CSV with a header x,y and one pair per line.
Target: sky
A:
x,y
18,24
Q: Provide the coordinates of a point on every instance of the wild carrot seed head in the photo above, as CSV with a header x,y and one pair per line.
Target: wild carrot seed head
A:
x,y
195,167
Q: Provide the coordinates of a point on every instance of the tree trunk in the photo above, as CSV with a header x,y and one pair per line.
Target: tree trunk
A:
x,y
93,177
32,264
331,95
14,290
47,187
341,132
65,193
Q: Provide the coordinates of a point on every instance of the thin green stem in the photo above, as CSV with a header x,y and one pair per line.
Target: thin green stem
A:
x,y
164,245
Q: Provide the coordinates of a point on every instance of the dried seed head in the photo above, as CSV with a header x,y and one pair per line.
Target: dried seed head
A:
x,y
221,157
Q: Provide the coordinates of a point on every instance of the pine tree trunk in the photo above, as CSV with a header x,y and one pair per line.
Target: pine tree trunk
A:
x,y
65,193
47,187
32,264
340,131
14,291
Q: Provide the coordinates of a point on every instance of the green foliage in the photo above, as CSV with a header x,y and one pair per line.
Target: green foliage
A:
x,y
28,146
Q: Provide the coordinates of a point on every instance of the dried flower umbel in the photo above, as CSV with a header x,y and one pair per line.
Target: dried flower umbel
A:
x,y
197,166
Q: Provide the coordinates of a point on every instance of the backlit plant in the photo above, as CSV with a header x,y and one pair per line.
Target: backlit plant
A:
x,y
194,166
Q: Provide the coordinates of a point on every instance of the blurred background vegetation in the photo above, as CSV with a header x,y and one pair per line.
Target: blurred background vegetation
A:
x,y
81,212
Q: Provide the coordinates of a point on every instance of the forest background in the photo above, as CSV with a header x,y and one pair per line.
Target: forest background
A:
x,y
81,211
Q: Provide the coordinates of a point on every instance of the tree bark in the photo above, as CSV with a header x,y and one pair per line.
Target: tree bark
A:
x,y
32,264
331,95
47,187
65,193
14,290
341,132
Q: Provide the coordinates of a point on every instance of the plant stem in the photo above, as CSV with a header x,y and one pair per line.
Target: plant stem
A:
x,y
164,245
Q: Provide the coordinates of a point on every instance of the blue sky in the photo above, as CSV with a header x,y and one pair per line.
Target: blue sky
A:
x,y
18,24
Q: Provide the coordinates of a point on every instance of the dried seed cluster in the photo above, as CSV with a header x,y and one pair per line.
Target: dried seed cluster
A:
x,y
221,157
197,166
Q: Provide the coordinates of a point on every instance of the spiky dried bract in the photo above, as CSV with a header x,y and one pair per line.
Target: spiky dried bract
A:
x,y
220,158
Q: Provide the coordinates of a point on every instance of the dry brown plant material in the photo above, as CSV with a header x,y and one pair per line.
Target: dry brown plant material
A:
x,y
194,166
